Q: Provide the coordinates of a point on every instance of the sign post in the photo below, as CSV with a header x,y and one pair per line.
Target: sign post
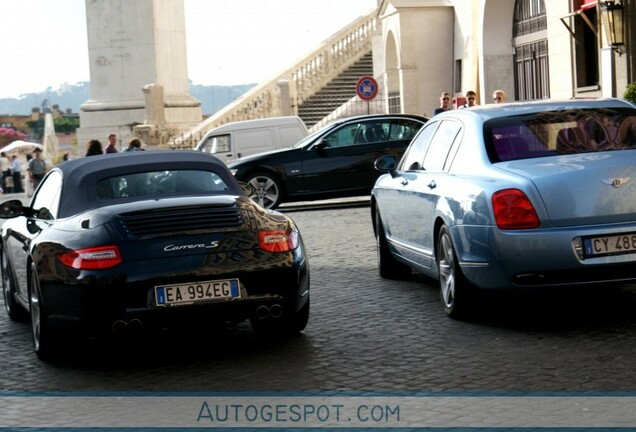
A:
x,y
367,89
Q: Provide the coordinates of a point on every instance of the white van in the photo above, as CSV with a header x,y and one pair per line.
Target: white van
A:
x,y
234,140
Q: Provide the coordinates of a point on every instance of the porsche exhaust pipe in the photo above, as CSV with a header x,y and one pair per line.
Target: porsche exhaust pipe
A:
x,y
276,311
134,325
262,312
119,327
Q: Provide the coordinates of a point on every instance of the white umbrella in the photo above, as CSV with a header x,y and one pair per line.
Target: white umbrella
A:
x,y
50,139
20,146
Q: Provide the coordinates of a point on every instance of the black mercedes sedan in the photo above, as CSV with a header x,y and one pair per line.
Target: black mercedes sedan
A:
x,y
334,162
142,240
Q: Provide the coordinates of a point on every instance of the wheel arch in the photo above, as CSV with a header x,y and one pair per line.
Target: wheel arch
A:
x,y
374,210
266,170
31,268
437,227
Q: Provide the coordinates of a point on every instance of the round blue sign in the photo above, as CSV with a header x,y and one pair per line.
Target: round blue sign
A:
x,y
367,88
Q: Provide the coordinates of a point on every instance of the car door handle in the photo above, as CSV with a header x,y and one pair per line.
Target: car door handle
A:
x,y
404,182
432,185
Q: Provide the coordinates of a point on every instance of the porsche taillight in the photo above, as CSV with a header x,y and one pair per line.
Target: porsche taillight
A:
x,y
96,258
278,240
513,210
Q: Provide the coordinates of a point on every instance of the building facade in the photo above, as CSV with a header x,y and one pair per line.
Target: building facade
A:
x,y
531,49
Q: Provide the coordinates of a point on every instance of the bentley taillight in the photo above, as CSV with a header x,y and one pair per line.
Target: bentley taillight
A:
x,y
96,258
278,240
513,210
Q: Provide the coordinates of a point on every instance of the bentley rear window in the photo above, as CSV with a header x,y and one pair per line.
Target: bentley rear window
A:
x,y
560,132
161,183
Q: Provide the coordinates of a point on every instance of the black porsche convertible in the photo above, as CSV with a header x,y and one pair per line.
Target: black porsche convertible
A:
x,y
139,240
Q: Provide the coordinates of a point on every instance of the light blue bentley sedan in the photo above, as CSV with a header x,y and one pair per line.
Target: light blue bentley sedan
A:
x,y
520,195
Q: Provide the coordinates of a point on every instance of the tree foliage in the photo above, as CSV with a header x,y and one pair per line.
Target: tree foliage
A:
x,y
61,124
8,135
66,124
630,92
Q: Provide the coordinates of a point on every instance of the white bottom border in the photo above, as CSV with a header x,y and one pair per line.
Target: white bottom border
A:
x,y
315,411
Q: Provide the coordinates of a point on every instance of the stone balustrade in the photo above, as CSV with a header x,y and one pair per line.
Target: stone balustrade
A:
x,y
286,91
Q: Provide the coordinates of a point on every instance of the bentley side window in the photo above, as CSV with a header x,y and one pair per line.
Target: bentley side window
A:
x,y
438,150
414,156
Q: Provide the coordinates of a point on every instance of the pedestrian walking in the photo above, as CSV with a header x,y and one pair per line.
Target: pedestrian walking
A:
x,y
133,145
499,96
36,168
471,99
94,148
5,168
112,144
16,172
444,103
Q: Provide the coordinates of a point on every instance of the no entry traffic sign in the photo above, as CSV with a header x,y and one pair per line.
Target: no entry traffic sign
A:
x,y
367,88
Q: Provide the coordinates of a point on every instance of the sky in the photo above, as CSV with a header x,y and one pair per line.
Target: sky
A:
x,y
44,41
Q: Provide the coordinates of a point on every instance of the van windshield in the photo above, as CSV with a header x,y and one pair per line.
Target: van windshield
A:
x,y
216,144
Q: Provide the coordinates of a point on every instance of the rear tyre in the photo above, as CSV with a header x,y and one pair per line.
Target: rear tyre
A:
x,y
297,321
455,292
43,338
14,310
267,190
389,267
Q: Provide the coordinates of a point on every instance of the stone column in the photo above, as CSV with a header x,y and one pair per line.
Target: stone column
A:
x,y
131,44
287,108
155,110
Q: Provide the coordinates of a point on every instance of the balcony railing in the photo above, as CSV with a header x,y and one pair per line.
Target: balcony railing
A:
x,y
285,92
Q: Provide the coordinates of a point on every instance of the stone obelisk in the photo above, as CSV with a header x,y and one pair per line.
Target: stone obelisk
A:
x,y
137,55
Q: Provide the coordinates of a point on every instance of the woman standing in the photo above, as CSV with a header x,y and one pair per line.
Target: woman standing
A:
x,y
133,145
94,148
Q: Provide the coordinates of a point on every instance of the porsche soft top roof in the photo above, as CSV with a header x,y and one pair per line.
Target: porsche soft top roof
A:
x,y
80,175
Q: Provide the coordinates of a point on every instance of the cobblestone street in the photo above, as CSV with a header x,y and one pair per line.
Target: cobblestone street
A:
x,y
364,334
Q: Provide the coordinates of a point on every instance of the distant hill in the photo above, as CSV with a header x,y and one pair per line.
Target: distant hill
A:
x,y
212,98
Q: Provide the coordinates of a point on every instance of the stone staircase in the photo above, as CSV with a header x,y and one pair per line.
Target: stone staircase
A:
x,y
314,87
335,93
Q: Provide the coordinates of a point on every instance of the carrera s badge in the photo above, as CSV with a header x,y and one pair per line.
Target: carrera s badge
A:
x,y
211,245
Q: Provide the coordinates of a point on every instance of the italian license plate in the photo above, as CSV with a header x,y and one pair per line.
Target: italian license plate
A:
x,y
196,292
610,245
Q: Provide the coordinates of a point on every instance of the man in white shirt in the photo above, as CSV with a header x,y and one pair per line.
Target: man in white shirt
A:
x,y
5,168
